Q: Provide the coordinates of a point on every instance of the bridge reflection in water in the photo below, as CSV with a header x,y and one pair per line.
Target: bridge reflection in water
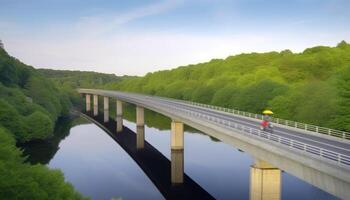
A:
x,y
168,176
154,164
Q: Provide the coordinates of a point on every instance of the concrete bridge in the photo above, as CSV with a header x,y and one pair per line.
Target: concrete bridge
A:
x,y
319,159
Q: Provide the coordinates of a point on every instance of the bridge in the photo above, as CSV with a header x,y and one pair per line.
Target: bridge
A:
x,y
314,154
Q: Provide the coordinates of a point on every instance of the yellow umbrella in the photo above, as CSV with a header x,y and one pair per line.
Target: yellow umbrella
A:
x,y
267,112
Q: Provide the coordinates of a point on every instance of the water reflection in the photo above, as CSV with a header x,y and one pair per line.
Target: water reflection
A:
x,y
177,166
155,165
105,115
95,110
119,121
140,137
42,151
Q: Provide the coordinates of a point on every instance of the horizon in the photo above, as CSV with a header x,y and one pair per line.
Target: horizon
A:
x,y
134,38
189,64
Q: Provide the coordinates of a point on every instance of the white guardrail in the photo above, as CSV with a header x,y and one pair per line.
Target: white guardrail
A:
x,y
303,126
335,157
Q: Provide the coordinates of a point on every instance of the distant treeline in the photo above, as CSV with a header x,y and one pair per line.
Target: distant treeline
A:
x,y
68,81
311,87
30,104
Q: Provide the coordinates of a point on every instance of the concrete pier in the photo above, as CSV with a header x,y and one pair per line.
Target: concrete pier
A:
x,y
177,135
119,107
140,137
177,155
265,181
140,116
88,102
105,103
105,109
119,115
95,105
177,166
140,127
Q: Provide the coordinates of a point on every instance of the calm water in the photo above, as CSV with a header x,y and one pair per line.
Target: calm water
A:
x,y
99,168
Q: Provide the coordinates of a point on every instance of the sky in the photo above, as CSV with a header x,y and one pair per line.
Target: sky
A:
x,y
134,37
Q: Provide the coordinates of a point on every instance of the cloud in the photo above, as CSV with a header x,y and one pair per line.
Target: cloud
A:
x,y
100,24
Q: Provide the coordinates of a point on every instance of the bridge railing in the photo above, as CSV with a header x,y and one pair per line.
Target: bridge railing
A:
x,y
298,125
315,151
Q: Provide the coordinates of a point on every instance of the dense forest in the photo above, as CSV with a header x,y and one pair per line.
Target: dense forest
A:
x,y
68,81
312,86
28,111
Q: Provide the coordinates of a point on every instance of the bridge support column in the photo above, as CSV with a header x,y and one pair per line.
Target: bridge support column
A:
x,y
119,107
140,116
95,104
177,157
265,181
177,135
119,113
177,166
88,102
105,109
140,127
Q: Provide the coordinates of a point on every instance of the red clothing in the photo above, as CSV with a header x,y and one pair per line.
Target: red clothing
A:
x,y
264,123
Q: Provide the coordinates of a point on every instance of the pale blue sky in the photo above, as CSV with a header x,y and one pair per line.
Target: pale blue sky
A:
x,y
135,37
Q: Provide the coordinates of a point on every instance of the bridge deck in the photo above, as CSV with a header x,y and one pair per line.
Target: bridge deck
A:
x,y
325,143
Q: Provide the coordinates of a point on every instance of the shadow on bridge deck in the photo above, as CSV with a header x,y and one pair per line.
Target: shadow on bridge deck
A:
x,y
155,165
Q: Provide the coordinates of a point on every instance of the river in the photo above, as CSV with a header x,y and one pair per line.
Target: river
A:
x,y
100,168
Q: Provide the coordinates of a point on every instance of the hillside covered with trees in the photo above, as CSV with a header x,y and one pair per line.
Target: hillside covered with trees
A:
x,y
312,86
29,107
68,81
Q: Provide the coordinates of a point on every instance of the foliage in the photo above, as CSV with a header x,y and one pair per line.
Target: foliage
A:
x,y
342,117
27,96
68,81
12,120
39,125
29,107
19,180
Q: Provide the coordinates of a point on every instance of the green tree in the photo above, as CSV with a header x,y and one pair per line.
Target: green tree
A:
x,y
39,126
255,98
342,119
203,94
19,180
11,119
